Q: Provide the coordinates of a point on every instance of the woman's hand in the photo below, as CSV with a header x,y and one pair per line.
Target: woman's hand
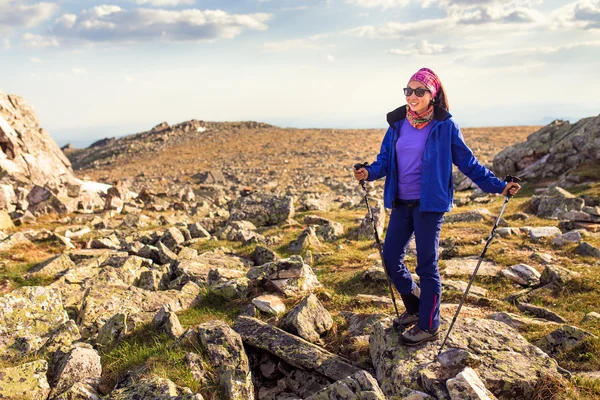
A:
x,y
512,188
361,174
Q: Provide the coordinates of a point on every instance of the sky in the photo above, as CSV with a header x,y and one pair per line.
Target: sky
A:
x,y
95,69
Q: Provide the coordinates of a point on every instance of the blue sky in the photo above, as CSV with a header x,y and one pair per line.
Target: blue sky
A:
x,y
94,69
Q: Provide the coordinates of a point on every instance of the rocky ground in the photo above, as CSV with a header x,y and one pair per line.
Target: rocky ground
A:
x,y
234,261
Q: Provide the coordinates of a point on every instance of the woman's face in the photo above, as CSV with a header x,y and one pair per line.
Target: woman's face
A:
x,y
418,104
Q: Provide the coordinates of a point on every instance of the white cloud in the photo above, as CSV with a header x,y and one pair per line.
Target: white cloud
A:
x,y
165,3
398,30
35,60
330,58
488,11
385,4
581,14
19,14
32,40
78,71
6,43
423,48
108,23
293,44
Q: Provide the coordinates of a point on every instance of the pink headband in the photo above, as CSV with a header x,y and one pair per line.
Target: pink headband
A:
x,y
428,78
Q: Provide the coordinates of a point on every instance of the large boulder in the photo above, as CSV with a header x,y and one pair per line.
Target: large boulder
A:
x,y
80,364
309,319
154,388
26,381
262,209
291,276
360,386
553,151
510,366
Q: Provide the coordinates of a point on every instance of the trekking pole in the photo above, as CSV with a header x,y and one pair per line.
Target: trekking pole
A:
x,y
379,245
508,179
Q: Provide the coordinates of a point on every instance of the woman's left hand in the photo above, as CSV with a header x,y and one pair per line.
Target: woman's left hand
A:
x,y
512,188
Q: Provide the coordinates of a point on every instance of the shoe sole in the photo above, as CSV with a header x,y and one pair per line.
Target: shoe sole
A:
x,y
411,343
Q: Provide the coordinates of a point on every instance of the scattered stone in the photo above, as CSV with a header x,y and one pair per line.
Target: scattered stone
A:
x,y
263,255
26,381
115,328
224,349
481,214
377,301
53,267
269,304
79,391
567,238
307,239
587,249
80,364
309,319
104,243
198,231
291,349
196,365
541,312
375,274
154,388
466,266
522,274
458,358
519,322
467,386
365,230
166,321
263,209
172,238
563,339
591,316
232,289
539,233
5,221
360,324
557,274
358,386
290,276
462,286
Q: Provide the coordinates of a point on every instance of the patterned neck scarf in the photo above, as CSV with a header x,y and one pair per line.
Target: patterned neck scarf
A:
x,y
419,121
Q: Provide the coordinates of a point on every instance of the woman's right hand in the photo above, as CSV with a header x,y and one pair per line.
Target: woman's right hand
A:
x,y
361,174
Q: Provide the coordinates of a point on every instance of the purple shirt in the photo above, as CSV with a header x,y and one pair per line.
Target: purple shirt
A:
x,y
409,160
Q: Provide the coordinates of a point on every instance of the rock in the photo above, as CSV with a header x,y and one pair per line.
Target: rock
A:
x,y
567,238
293,350
198,231
519,322
269,304
309,319
327,229
467,386
539,233
262,209
361,323
510,366
461,286
14,240
591,317
365,229
263,255
28,318
481,214
466,266
80,364
115,328
166,321
53,267
522,274
26,381
237,288
5,221
557,274
80,391
290,276
458,358
375,274
377,301
224,349
587,249
563,339
154,279
165,255
541,312
542,258
307,239
154,388
196,365
356,387
104,243
172,238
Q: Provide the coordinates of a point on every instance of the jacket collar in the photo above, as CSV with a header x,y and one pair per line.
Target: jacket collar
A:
x,y
439,114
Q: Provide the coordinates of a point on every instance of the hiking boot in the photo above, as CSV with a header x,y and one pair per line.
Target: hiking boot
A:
x,y
406,320
416,336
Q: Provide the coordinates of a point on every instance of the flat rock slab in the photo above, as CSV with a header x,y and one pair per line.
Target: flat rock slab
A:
x,y
26,381
292,349
466,266
510,366
360,386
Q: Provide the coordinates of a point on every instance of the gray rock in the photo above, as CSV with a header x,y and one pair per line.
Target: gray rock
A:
x,y
519,322
53,267
165,255
539,233
224,349
466,266
80,364
307,239
309,319
541,312
458,358
510,366
25,381
290,276
172,238
293,350
237,288
263,209
587,249
462,286
591,317
263,255
154,388
522,274
557,274
115,328
365,229
198,231
154,279
269,304
467,386
377,301
79,391
563,339
166,321
361,323
481,214
375,274
567,238
360,386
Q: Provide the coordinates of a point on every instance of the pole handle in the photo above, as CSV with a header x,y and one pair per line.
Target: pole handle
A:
x,y
511,178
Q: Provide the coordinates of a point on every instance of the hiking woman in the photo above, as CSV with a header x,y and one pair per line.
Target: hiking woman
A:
x,y
416,157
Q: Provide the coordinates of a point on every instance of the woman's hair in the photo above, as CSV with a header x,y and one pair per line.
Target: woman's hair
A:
x,y
441,98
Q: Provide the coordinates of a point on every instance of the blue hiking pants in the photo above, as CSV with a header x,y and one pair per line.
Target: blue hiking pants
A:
x,y
406,219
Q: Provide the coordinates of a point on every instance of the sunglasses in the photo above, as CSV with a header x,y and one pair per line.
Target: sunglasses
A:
x,y
420,92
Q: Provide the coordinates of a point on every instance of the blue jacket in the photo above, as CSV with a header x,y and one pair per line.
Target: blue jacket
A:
x,y
445,146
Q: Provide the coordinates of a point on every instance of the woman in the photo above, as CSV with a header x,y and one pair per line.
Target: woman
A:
x,y
416,157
